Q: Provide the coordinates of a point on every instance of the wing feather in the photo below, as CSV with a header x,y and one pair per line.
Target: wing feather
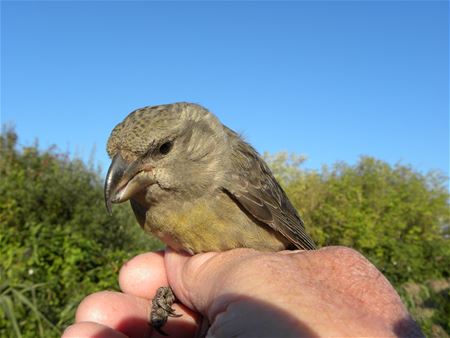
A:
x,y
253,186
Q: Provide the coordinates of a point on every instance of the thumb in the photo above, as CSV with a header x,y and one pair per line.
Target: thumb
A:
x,y
201,281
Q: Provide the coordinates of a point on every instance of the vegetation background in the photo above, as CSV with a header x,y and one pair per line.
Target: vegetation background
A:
x,y
58,244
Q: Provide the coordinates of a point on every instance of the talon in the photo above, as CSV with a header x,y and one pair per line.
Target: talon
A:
x,y
160,304
161,309
171,312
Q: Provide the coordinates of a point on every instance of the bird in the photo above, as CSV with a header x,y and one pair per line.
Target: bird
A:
x,y
198,186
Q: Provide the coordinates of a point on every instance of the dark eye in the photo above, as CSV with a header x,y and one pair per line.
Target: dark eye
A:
x,y
165,148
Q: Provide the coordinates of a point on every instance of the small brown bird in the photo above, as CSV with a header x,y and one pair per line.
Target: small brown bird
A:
x,y
195,184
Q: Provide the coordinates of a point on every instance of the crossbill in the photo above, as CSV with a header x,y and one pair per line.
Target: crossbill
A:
x,y
198,186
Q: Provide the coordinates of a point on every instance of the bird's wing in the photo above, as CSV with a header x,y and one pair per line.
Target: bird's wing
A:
x,y
253,186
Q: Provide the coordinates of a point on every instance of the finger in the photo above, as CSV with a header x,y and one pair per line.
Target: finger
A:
x,y
122,312
128,314
143,275
198,281
89,329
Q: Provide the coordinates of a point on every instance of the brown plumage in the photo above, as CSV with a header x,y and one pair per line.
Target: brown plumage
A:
x,y
197,185
208,171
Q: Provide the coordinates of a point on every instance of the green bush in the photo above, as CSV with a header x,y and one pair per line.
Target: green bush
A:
x,y
57,242
397,217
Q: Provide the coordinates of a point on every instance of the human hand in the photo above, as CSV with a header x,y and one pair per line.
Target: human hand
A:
x,y
333,291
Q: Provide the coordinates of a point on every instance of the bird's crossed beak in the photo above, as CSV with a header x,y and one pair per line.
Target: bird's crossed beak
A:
x,y
124,180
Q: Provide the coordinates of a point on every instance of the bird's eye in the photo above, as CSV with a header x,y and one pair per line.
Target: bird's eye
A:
x,y
165,148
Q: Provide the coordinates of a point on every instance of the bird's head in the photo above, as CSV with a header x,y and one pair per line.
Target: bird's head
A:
x,y
161,150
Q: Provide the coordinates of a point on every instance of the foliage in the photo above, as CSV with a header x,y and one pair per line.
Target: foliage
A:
x,y
57,241
395,216
429,303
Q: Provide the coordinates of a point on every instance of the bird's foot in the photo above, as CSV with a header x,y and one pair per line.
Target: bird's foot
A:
x,y
161,308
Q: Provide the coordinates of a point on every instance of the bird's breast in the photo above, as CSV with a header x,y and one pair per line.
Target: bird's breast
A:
x,y
209,224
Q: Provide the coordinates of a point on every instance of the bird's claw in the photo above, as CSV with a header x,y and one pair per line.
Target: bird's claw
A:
x,y
161,308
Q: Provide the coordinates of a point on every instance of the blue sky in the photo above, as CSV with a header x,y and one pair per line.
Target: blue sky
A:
x,y
330,80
